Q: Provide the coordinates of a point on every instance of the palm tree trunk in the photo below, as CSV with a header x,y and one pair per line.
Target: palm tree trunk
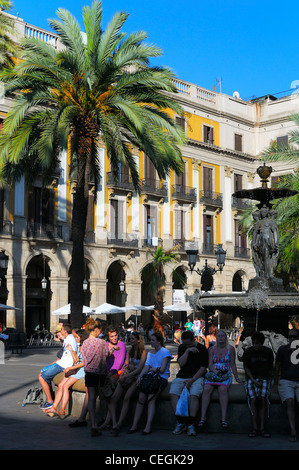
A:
x,y
158,312
79,216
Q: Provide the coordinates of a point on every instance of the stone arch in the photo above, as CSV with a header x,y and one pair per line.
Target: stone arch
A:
x,y
238,281
37,267
115,275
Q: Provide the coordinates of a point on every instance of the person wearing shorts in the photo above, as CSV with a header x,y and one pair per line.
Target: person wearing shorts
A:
x,y
193,361
287,367
258,365
49,372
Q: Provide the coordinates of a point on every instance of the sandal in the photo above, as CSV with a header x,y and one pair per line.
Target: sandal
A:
x,y
253,433
202,422
50,410
265,433
115,431
224,424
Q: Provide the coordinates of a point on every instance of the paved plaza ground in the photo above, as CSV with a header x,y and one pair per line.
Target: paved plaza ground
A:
x,y
28,428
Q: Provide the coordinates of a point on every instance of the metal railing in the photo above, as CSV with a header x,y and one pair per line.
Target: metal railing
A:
x,y
40,230
211,197
154,187
183,193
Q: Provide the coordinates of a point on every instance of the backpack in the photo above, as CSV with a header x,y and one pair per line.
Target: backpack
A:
x,y
34,396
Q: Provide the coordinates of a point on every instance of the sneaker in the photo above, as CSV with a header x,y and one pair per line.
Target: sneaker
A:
x,y
180,427
46,405
191,430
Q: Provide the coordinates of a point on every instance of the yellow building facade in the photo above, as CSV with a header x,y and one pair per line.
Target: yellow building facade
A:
x,y
224,134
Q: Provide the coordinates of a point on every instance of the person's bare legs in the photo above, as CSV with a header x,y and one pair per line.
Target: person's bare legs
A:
x,y
142,399
223,400
205,401
46,388
290,403
126,403
151,409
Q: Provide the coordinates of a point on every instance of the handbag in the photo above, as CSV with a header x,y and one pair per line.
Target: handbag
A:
x,y
106,390
221,376
150,382
182,407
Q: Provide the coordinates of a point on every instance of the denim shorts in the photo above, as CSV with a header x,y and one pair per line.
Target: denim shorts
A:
x,y
48,373
288,389
178,384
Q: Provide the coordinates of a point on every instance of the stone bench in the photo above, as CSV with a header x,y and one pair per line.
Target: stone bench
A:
x,y
238,415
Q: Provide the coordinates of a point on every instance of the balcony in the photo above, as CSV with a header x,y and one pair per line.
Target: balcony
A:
x,y
183,193
48,231
241,252
211,198
124,183
153,187
126,240
152,242
240,204
209,249
6,227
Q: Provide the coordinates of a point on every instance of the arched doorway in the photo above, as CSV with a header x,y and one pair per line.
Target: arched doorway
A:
x,y
115,275
237,283
37,297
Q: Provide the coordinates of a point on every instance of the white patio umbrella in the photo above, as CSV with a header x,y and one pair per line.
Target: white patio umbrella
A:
x,y
183,307
107,309
136,308
66,310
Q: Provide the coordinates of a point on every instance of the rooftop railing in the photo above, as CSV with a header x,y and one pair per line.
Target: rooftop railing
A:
x,y
194,91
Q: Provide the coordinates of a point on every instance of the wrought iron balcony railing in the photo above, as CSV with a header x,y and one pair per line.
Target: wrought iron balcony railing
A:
x,y
211,198
153,187
183,193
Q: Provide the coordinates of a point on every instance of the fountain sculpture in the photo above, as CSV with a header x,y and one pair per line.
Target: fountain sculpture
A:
x,y
266,303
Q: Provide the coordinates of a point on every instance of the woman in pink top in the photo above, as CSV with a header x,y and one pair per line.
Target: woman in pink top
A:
x,y
94,351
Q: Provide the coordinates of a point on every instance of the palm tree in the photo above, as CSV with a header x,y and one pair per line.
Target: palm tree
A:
x,y
288,208
100,85
153,274
8,47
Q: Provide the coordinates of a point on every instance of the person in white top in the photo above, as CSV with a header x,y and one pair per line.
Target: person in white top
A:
x,y
158,358
49,372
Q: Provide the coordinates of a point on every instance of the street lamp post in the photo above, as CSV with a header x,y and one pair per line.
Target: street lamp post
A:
x,y
220,257
206,270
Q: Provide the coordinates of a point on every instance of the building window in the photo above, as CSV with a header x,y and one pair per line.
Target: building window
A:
x,y
208,135
240,241
116,219
282,141
238,182
150,172
208,236
150,229
179,218
239,142
181,121
41,206
207,181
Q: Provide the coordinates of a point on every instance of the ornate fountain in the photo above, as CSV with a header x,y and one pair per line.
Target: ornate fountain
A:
x,y
266,304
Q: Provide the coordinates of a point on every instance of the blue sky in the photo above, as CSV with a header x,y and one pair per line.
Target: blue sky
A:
x,y
250,45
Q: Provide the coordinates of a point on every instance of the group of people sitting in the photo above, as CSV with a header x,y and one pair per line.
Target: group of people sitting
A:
x,y
86,354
